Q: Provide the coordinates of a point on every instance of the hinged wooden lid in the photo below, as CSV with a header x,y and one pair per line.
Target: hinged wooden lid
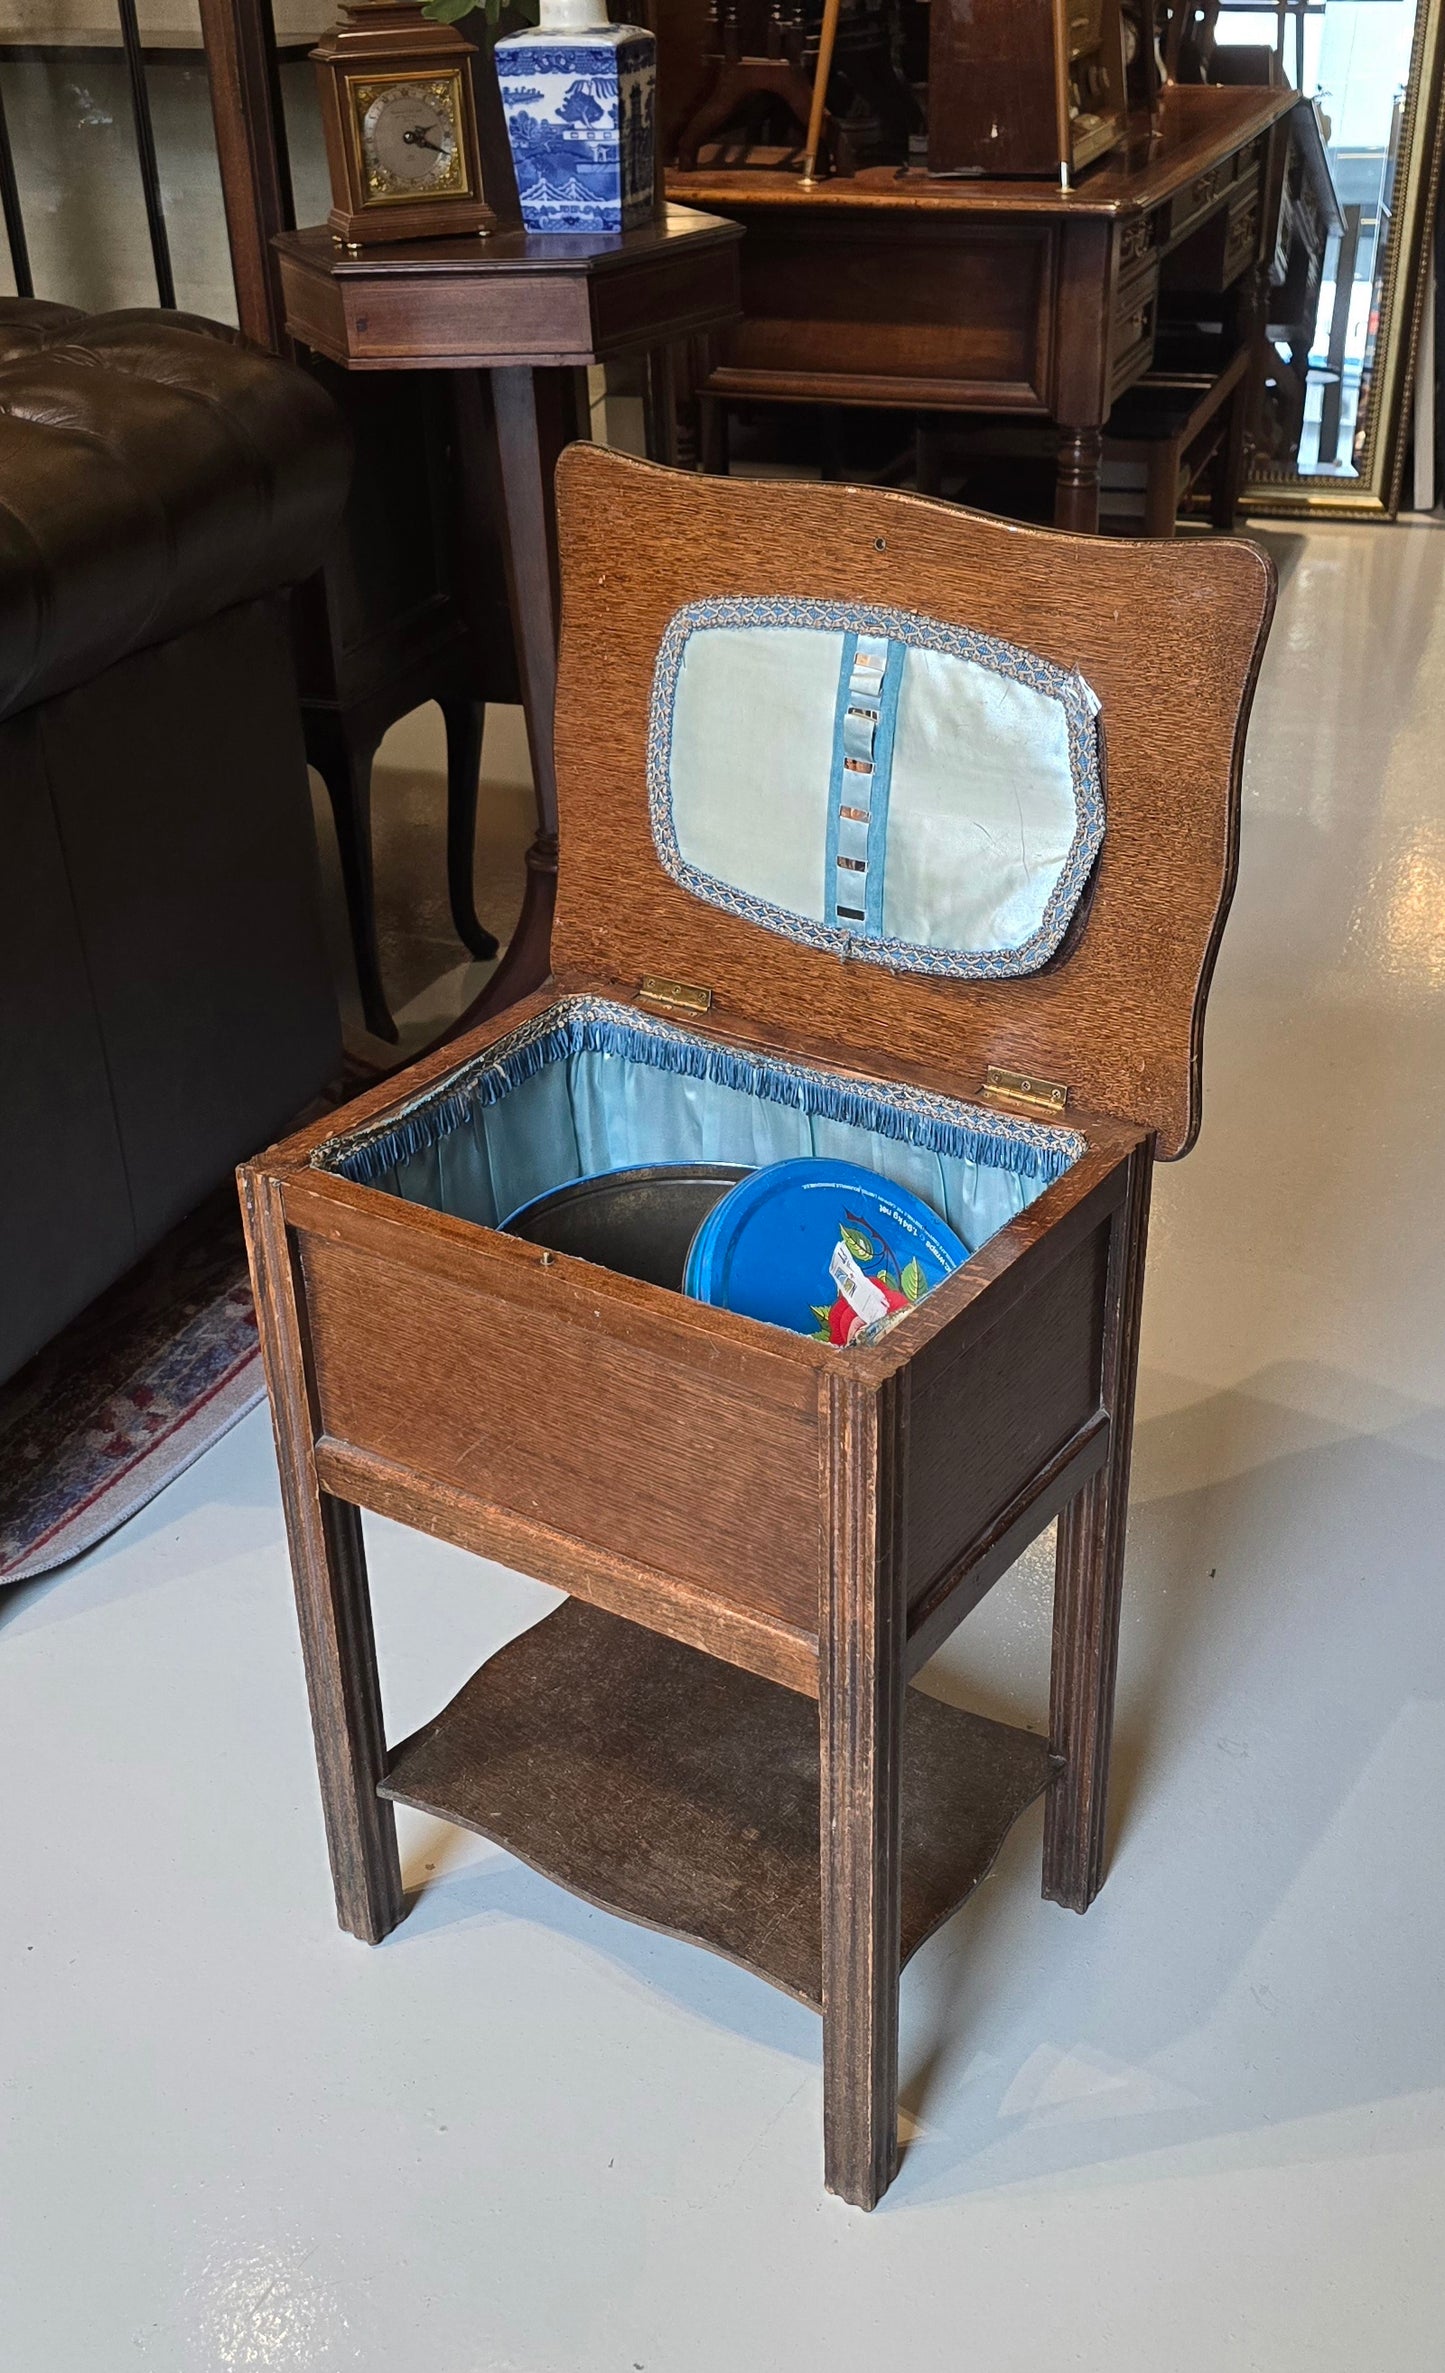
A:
x,y
1168,635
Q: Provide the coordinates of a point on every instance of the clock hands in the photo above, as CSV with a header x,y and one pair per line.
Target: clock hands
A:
x,y
420,140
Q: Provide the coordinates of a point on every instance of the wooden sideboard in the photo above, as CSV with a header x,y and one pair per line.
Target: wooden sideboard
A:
x,y
1007,297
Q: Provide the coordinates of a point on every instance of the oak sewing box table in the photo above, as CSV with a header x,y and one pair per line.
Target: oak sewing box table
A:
x,y
763,1536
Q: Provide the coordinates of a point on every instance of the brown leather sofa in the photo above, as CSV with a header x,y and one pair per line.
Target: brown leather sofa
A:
x,y
165,1000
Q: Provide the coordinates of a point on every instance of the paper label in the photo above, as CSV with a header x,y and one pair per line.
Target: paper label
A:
x,y
867,1300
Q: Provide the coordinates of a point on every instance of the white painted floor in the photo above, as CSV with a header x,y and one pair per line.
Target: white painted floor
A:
x,y
1198,2131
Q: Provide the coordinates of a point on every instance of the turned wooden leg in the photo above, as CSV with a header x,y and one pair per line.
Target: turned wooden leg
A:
x,y
1076,494
464,720
860,1717
1088,1575
328,1566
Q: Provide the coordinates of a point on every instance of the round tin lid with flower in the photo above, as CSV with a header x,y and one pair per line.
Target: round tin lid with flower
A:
x,y
823,1248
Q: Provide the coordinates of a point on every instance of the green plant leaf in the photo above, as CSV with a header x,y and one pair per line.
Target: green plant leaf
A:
x,y
914,1283
822,1334
821,1310
860,1246
886,1277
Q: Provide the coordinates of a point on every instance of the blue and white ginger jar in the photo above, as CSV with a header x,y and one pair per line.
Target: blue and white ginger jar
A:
x,y
580,96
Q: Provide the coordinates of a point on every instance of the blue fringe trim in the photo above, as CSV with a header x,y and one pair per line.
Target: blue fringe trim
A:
x,y
592,1025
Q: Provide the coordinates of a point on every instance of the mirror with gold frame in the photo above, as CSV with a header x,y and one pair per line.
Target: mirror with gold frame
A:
x,y
1332,434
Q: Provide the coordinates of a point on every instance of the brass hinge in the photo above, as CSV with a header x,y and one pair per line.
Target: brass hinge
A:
x,y
673,996
1020,1087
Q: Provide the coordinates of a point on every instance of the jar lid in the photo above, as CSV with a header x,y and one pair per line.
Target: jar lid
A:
x,y
822,1248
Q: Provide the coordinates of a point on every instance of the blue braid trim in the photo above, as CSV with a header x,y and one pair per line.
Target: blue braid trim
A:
x,y
593,1025
1065,685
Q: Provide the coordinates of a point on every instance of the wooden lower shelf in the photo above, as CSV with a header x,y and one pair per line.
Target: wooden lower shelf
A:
x,y
683,1793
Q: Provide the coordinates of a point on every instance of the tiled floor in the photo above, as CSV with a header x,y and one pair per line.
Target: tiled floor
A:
x,y
1199,2131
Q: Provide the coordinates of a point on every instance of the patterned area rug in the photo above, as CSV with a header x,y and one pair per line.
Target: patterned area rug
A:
x,y
132,1392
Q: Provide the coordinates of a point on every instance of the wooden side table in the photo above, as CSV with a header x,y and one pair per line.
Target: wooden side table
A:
x,y
527,315
390,621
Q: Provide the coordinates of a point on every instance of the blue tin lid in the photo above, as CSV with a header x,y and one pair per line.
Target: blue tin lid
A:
x,y
823,1248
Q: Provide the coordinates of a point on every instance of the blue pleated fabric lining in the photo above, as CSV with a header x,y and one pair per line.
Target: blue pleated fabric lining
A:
x,y
589,1086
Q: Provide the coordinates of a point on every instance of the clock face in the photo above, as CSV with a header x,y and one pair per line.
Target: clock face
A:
x,y
408,130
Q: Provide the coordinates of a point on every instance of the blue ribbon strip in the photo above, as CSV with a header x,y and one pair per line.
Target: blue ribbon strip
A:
x,y
865,718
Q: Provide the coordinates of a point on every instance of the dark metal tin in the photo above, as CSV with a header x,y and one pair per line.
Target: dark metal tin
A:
x,y
638,1222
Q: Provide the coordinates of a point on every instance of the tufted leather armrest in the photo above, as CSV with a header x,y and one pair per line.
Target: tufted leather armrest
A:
x,y
154,470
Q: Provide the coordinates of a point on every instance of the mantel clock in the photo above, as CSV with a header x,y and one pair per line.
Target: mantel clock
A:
x,y
401,127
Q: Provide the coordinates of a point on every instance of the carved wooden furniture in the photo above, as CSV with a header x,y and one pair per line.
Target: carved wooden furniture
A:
x,y
770,85
741,93
747,1520
524,316
1024,86
1310,214
1185,426
1012,298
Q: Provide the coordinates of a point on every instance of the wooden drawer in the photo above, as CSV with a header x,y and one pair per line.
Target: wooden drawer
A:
x,y
1212,258
1205,191
1138,238
1246,161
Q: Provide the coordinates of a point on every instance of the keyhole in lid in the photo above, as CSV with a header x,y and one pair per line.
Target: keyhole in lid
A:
x,y
880,543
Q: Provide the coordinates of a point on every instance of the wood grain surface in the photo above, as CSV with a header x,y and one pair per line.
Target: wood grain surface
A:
x,y
515,299
1193,123
1169,636
333,1600
1089,1582
614,1444
664,1785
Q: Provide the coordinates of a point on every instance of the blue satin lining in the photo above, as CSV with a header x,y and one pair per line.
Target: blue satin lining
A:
x,y
479,1151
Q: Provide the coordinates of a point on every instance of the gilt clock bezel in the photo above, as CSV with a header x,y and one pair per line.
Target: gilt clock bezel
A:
x,y
362,90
